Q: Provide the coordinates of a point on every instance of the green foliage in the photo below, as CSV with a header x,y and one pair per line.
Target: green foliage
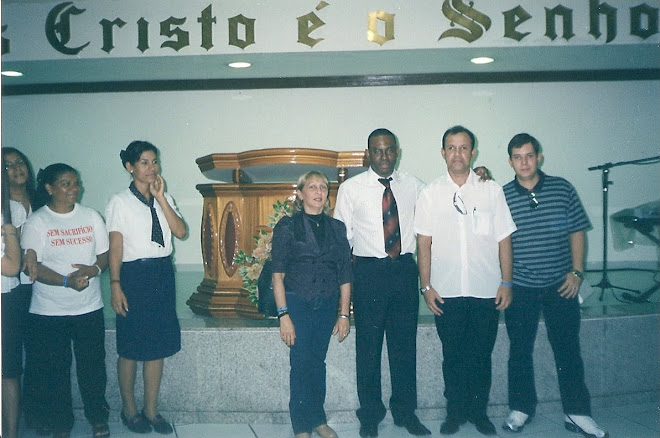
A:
x,y
252,264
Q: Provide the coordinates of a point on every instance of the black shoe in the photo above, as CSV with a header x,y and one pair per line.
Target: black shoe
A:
x,y
368,430
450,426
484,425
159,424
136,424
413,425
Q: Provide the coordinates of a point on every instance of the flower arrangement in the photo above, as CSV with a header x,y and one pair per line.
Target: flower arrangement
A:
x,y
252,264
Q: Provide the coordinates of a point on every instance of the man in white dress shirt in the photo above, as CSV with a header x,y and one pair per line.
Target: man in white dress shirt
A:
x,y
464,255
385,295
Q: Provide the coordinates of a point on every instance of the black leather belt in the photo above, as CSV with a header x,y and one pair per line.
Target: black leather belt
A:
x,y
152,260
384,260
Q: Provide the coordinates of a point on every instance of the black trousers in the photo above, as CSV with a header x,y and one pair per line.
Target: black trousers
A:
x,y
53,337
562,321
386,302
467,330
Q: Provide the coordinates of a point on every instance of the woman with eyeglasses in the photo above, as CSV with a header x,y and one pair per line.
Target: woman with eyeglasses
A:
x,y
141,220
20,187
71,245
14,310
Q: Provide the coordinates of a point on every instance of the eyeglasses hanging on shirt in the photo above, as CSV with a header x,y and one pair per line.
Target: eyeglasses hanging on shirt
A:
x,y
459,204
533,202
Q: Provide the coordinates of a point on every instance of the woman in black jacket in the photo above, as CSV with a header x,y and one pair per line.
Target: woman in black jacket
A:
x,y
311,264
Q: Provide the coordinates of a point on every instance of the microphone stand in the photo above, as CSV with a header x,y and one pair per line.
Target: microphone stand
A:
x,y
604,281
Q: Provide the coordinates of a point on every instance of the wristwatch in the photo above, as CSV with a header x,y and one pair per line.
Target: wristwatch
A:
x,y
578,274
424,289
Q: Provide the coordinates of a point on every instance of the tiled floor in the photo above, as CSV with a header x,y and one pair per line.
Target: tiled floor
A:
x,y
635,421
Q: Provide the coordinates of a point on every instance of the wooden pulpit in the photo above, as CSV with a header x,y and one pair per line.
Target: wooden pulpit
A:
x,y
239,205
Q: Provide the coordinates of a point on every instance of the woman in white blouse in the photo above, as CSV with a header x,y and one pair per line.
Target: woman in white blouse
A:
x,y
141,221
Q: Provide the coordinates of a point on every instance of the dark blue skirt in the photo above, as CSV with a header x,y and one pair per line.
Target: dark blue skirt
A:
x,y
150,330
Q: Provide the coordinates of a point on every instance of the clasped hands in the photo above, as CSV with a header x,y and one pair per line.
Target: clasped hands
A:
x,y
79,279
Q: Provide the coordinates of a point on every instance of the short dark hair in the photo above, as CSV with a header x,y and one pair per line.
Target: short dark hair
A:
x,y
457,130
521,139
380,132
48,176
134,151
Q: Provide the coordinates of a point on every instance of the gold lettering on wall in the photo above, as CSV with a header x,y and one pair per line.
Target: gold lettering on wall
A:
x,y
512,19
63,26
307,24
248,30
474,22
641,13
372,27
58,28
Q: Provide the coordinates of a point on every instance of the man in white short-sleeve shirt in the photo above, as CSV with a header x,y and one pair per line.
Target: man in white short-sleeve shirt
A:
x,y
464,256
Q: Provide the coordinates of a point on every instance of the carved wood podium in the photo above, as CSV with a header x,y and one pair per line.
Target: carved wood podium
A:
x,y
239,205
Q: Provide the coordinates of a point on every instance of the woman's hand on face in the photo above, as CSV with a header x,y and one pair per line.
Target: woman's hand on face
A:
x,y
287,331
118,301
157,188
342,328
77,282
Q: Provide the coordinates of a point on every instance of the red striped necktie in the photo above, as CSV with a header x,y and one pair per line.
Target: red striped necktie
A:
x,y
391,229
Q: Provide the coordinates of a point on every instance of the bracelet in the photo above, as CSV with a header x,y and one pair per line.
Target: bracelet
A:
x,y
97,267
506,283
114,281
578,274
65,279
343,315
282,313
282,309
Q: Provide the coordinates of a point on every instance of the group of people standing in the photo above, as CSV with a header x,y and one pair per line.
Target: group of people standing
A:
x,y
481,248
57,304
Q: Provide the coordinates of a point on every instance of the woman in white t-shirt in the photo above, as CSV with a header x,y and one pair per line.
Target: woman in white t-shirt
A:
x,y
71,245
141,222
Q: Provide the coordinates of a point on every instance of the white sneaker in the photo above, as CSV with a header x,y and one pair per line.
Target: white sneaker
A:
x,y
585,425
516,421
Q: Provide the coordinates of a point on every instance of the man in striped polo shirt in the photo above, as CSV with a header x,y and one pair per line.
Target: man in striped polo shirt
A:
x,y
548,261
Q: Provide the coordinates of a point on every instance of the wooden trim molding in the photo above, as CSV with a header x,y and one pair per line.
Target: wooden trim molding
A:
x,y
642,74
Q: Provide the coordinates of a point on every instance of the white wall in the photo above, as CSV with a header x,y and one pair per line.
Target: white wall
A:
x,y
579,125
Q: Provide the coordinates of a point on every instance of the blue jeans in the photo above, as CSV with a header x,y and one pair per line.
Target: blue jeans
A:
x,y
562,320
313,321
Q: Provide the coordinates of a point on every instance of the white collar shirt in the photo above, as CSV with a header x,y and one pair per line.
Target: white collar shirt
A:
x,y
359,206
126,214
464,247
